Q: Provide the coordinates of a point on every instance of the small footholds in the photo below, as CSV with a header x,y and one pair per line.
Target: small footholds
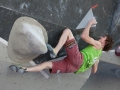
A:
x,y
50,14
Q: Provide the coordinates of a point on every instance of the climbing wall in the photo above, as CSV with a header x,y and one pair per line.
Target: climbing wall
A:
x,y
36,81
108,74
55,16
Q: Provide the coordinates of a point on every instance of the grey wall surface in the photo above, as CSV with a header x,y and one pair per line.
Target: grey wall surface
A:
x,y
63,13
115,26
55,16
104,79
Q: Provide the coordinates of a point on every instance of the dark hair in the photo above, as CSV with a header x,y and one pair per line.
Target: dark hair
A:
x,y
108,44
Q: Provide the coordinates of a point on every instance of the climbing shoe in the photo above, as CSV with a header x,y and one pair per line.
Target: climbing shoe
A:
x,y
52,51
18,69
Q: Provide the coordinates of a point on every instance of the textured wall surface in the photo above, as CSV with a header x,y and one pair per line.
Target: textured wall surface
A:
x,y
55,16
